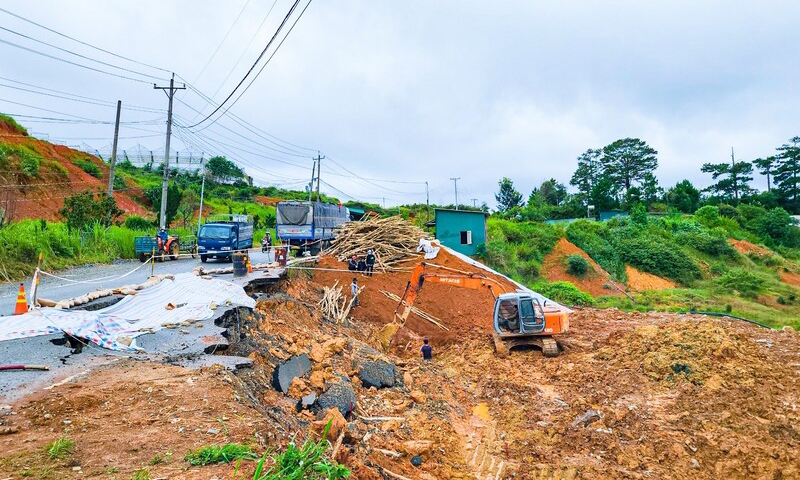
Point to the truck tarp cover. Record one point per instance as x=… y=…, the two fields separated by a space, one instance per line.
x=293 y=214
x=329 y=216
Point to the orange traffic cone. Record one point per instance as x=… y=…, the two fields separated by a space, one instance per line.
x=22 y=302
x=249 y=266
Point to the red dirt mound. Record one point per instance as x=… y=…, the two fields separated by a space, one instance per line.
x=745 y=247
x=461 y=310
x=641 y=281
x=42 y=196
x=597 y=282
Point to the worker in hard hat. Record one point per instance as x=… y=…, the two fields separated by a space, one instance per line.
x=370 y=261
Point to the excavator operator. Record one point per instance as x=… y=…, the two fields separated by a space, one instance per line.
x=509 y=316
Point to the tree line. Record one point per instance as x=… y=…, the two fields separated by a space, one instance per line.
x=622 y=174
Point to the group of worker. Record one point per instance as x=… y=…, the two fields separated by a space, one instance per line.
x=365 y=265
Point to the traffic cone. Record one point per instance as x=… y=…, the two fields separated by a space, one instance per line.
x=22 y=302
x=249 y=267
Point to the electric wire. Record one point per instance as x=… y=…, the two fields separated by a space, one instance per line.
x=230 y=29
x=263 y=52
x=20 y=17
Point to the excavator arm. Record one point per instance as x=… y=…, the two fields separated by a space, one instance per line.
x=456 y=278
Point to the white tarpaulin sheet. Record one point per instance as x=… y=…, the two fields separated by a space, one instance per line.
x=127 y=318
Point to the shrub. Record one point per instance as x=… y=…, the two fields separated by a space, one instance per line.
x=564 y=292
x=577 y=265
x=306 y=462
x=595 y=239
x=659 y=257
x=746 y=283
x=88 y=167
x=135 y=222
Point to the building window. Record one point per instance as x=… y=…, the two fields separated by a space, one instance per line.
x=466 y=237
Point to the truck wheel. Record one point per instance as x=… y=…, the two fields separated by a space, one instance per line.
x=204 y=258
x=176 y=250
x=142 y=257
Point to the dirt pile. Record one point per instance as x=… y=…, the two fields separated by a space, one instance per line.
x=596 y=282
x=59 y=175
x=642 y=281
x=745 y=247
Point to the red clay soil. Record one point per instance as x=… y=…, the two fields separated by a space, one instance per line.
x=43 y=196
x=642 y=281
x=790 y=278
x=462 y=310
x=745 y=247
x=268 y=201
x=595 y=282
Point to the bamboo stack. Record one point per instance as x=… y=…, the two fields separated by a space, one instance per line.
x=420 y=313
x=334 y=305
x=393 y=240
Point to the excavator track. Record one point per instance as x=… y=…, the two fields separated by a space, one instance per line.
x=549 y=347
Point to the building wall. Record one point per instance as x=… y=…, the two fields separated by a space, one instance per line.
x=450 y=224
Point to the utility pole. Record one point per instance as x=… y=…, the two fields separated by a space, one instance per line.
x=427 y=204
x=162 y=222
x=455 y=186
x=114 y=152
x=474 y=202
x=319 y=171
x=733 y=177
x=202 y=192
x=311 y=184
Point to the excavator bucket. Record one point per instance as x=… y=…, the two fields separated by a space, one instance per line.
x=386 y=334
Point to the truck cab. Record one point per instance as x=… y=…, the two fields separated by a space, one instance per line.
x=224 y=235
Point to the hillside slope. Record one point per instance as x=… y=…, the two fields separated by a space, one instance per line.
x=36 y=176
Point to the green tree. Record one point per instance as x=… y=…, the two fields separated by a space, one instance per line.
x=766 y=166
x=787 y=174
x=553 y=192
x=508 y=197
x=651 y=191
x=173 y=200
x=223 y=170
x=628 y=160
x=684 y=197
x=777 y=225
x=187 y=206
x=86 y=208
x=588 y=172
x=734 y=179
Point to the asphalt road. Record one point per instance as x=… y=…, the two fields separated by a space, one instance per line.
x=95 y=276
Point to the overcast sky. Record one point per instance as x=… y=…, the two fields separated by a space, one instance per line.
x=417 y=91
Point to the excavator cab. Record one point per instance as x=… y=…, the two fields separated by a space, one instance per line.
x=520 y=319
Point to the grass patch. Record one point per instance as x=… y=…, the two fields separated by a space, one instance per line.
x=306 y=462
x=61 y=448
x=221 y=454
x=12 y=125
x=88 y=166
x=142 y=474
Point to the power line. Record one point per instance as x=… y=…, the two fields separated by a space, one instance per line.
x=78 y=54
x=263 y=52
x=222 y=41
x=80 y=41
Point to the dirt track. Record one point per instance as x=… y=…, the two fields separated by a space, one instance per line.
x=633 y=396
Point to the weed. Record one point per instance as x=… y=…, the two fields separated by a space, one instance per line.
x=112 y=470
x=161 y=459
x=61 y=448
x=143 y=474
x=307 y=462
x=221 y=454
x=88 y=167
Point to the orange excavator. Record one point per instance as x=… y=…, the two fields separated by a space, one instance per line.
x=520 y=318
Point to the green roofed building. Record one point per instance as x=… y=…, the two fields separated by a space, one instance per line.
x=462 y=230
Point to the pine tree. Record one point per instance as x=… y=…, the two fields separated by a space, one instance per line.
x=508 y=197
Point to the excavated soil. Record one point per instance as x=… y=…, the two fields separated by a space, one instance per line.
x=791 y=278
x=632 y=396
x=641 y=281
x=596 y=282
x=745 y=247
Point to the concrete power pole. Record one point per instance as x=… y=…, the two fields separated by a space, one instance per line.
x=162 y=222
x=114 y=152
x=474 y=202
x=311 y=184
x=427 y=204
x=319 y=171
x=455 y=186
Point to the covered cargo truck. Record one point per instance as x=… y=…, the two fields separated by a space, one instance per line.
x=222 y=235
x=309 y=226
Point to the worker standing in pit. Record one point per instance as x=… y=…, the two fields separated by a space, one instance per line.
x=362 y=266
x=370 y=262
x=427 y=351
x=354 y=291
x=352 y=265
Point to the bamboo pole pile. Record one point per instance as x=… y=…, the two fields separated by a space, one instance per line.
x=392 y=240
x=334 y=305
x=416 y=310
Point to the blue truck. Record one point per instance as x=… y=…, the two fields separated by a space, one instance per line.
x=308 y=226
x=222 y=235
